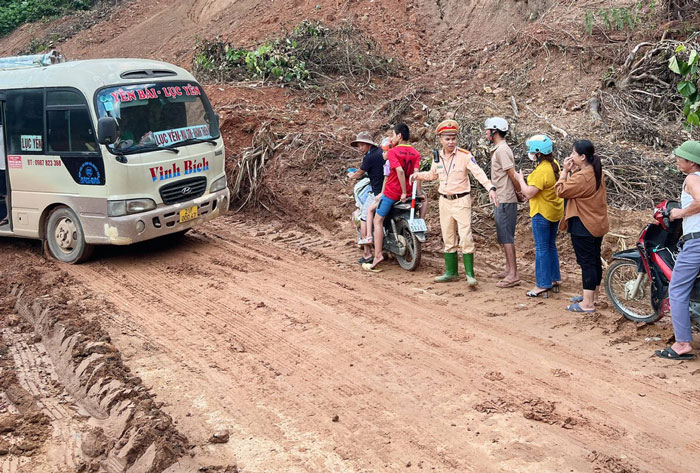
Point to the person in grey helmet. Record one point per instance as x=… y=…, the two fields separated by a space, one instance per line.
x=505 y=214
x=687 y=266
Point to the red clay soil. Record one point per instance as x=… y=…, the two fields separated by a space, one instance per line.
x=260 y=325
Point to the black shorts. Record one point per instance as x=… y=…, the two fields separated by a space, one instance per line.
x=506 y=215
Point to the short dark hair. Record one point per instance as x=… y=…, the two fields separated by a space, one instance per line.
x=502 y=134
x=402 y=129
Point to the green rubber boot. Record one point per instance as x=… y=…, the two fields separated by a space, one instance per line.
x=469 y=269
x=451 y=273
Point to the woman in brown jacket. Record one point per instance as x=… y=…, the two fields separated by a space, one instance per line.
x=585 y=218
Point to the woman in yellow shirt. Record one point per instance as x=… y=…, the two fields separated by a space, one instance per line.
x=546 y=210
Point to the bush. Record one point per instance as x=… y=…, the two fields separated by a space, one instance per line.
x=310 y=50
x=14 y=13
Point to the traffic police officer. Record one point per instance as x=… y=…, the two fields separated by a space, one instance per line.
x=453 y=168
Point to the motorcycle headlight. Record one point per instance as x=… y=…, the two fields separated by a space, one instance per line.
x=218 y=184
x=118 y=208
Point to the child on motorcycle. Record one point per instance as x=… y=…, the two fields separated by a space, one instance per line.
x=687 y=266
x=404 y=160
x=372 y=167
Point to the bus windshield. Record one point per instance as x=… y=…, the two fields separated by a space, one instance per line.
x=158 y=115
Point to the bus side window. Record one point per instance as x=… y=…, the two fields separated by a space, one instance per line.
x=24 y=110
x=69 y=125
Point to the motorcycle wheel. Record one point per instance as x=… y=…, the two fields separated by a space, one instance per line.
x=619 y=285
x=411 y=259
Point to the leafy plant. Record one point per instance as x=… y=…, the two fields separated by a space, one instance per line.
x=270 y=60
x=685 y=63
x=14 y=13
x=619 y=18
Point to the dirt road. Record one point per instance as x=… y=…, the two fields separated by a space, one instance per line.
x=315 y=366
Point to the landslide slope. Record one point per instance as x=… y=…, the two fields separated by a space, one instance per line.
x=530 y=61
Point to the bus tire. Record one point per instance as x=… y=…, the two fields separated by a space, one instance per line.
x=65 y=238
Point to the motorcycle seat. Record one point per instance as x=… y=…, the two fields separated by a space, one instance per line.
x=406 y=205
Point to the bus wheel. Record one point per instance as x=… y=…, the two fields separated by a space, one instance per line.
x=65 y=238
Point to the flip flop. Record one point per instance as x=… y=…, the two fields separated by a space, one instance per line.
x=670 y=354
x=577 y=308
x=503 y=283
x=368 y=267
x=576 y=299
x=556 y=287
x=364 y=260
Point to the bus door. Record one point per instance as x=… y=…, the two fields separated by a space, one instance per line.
x=4 y=201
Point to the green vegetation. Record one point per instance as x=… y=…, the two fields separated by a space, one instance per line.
x=618 y=18
x=310 y=50
x=14 y=13
x=685 y=63
x=267 y=60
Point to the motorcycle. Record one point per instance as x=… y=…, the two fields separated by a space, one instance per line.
x=403 y=232
x=638 y=279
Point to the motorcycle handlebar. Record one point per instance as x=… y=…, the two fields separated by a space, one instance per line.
x=665 y=213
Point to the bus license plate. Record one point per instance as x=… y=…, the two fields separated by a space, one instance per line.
x=188 y=214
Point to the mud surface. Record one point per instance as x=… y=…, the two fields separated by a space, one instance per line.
x=257 y=345
x=275 y=337
x=67 y=402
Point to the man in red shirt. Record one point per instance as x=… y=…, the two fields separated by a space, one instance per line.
x=404 y=161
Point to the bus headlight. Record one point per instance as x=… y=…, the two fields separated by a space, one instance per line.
x=218 y=184
x=118 y=208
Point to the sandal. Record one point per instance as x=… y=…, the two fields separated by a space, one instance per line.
x=556 y=287
x=576 y=299
x=670 y=354
x=577 y=308
x=543 y=294
x=364 y=260
x=368 y=267
x=365 y=241
x=503 y=283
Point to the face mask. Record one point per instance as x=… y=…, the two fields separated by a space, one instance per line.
x=532 y=156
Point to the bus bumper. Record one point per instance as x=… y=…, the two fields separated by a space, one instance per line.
x=154 y=223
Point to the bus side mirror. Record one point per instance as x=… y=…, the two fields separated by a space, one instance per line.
x=107 y=130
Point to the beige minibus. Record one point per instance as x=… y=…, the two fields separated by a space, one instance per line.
x=109 y=151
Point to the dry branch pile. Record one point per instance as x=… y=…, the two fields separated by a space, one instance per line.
x=343 y=50
x=310 y=53
x=633 y=181
x=301 y=152
x=247 y=178
x=641 y=99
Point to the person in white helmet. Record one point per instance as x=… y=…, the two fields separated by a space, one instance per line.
x=507 y=186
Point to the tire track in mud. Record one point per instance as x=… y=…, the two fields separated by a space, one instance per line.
x=619 y=404
x=352 y=388
x=36 y=374
x=598 y=368
x=424 y=379
x=316 y=367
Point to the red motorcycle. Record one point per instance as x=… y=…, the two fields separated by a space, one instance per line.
x=637 y=281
